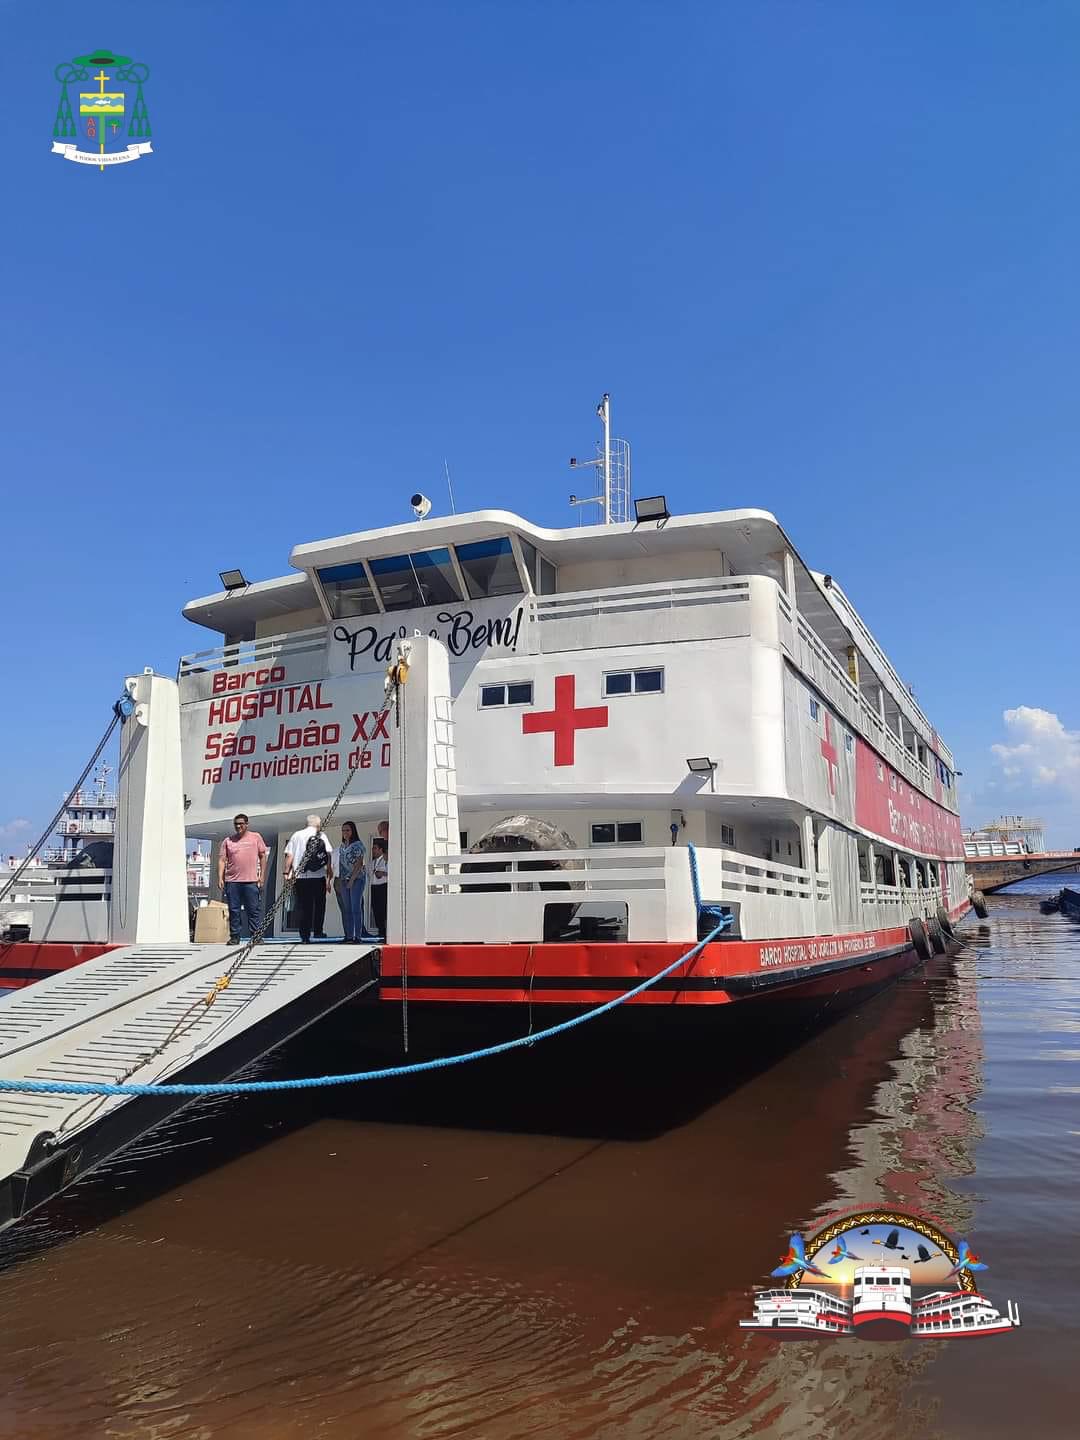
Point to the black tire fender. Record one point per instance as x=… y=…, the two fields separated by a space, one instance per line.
x=945 y=921
x=920 y=941
x=935 y=934
x=979 y=905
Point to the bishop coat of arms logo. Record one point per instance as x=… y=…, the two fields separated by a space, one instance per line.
x=113 y=122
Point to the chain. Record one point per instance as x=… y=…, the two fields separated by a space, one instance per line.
x=395 y=679
x=198 y=1008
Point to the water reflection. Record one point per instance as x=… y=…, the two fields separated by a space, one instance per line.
x=413 y=1263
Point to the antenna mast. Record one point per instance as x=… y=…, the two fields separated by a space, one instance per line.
x=612 y=465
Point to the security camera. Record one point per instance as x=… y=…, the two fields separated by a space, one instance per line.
x=421 y=505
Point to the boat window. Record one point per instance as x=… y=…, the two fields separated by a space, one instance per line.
x=905 y=872
x=410 y=582
x=514 y=692
x=541 y=572
x=489 y=568
x=617 y=832
x=864 y=862
x=727 y=835
x=814 y=709
x=633 y=682
x=348 y=590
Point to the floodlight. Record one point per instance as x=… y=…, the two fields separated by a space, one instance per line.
x=651 y=507
x=232 y=579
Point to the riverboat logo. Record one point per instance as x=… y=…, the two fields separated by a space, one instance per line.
x=112 y=116
x=879 y=1275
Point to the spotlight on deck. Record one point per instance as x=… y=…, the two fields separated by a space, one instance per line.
x=651 y=507
x=701 y=765
x=232 y=579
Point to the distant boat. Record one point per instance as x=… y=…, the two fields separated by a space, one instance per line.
x=1070 y=903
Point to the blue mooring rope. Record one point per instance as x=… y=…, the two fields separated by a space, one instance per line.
x=313 y=1082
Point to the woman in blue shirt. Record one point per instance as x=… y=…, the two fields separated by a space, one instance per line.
x=352 y=878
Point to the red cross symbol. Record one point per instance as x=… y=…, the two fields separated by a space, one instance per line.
x=564 y=721
x=828 y=749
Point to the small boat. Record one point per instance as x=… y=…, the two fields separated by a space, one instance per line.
x=1070 y=903
x=1051 y=905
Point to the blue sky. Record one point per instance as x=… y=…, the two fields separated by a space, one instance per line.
x=822 y=256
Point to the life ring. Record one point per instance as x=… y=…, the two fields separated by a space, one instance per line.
x=934 y=931
x=979 y=905
x=944 y=919
x=920 y=941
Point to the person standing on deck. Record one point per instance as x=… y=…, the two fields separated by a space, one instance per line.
x=378 y=887
x=241 y=877
x=308 y=857
x=351 y=881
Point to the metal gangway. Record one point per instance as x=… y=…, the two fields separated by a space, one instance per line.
x=146 y=1014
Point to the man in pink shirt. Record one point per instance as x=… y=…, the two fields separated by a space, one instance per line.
x=241 y=876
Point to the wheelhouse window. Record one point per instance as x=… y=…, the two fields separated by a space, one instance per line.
x=633 y=682
x=514 y=692
x=489 y=568
x=411 y=582
x=541 y=571
x=348 y=590
x=617 y=832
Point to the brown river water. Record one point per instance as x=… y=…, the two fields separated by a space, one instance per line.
x=562 y=1242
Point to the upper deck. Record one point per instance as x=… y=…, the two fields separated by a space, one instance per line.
x=490 y=577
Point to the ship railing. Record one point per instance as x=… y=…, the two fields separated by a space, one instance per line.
x=818 y=662
x=886 y=905
x=640 y=894
x=618 y=599
x=770 y=900
x=68 y=906
x=254 y=654
x=714 y=607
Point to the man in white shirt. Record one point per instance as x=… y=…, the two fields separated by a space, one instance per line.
x=309 y=858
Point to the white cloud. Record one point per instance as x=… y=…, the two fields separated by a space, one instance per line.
x=1043 y=758
x=14 y=828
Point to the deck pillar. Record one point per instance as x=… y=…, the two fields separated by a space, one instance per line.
x=423 y=787
x=149 y=879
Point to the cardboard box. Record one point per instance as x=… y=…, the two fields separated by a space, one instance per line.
x=212 y=923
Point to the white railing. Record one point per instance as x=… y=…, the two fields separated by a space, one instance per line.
x=889 y=905
x=816 y=661
x=989 y=849
x=695 y=609
x=254 y=654
x=66 y=906
x=770 y=900
x=465 y=905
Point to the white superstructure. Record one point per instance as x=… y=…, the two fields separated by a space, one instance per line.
x=687 y=679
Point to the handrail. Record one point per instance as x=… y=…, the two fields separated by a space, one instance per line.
x=646 y=590
x=263 y=648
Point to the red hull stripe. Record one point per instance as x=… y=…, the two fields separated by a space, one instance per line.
x=592 y=974
x=901 y=1319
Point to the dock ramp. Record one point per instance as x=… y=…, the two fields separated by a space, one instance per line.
x=100 y=1022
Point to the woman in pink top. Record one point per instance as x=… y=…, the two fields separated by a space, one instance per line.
x=241 y=876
